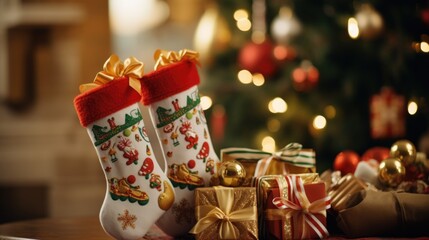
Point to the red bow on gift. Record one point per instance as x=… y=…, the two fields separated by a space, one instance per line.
x=299 y=209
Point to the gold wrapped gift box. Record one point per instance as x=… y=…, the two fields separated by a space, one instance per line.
x=225 y=213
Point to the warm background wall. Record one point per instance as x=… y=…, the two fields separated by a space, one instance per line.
x=48 y=167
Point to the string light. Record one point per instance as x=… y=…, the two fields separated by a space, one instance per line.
x=206 y=102
x=353 y=28
x=412 y=107
x=424 y=46
x=268 y=144
x=319 y=122
x=277 y=105
x=242 y=17
x=244 y=76
x=258 y=79
x=244 y=24
x=240 y=14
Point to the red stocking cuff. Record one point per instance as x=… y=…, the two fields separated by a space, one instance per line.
x=168 y=81
x=104 y=100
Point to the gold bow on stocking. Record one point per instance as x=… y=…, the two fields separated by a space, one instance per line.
x=164 y=58
x=113 y=69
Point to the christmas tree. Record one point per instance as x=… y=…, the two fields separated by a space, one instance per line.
x=320 y=73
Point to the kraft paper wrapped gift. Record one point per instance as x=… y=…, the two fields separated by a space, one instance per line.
x=345 y=187
x=371 y=213
x=225 y=213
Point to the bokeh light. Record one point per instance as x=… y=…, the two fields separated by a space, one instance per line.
x=206 y=102
x=258 y=79
x=268 y=144
x=412 y=108
x=277 y=105
x=244 y=76
x=353 y=28
x=319 y=122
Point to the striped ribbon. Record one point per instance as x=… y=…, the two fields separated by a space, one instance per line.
x=291 y=153
x=297 y=207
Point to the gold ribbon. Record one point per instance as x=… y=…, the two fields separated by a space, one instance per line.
x=113 y=69
x=214 y=214
x=164 y=58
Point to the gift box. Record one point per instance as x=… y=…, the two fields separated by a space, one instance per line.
x=340 y=192
x=225 y=213
x=371 y=213
x=387 y=114
x=292 y=207
x=292 y=159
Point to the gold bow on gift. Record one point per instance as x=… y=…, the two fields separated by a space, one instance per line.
x=213 y=214
x=113 y=68
x=164 y=58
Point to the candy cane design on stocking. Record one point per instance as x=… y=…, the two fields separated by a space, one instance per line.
x=171 y=94
x=138 y=190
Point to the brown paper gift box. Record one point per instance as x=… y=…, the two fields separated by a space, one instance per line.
x=371 y=213
x=345 y=187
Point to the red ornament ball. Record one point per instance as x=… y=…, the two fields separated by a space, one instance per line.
x=191 y=164
x=376 y=153
x=424 y=14
x=305 y=78
x=258 y=58
x=131 y=179
x=346 y=162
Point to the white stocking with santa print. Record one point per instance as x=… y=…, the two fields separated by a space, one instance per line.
x=171 y=93
x=138 y=191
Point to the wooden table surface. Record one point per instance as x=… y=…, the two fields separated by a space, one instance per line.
x=61 y=228
x=87 y=228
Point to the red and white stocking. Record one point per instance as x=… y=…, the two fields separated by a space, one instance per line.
x=138 y=191
x=171 y=93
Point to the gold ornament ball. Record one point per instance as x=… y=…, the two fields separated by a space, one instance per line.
x=231 y=174
x=405 y=151
x=391 y=172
